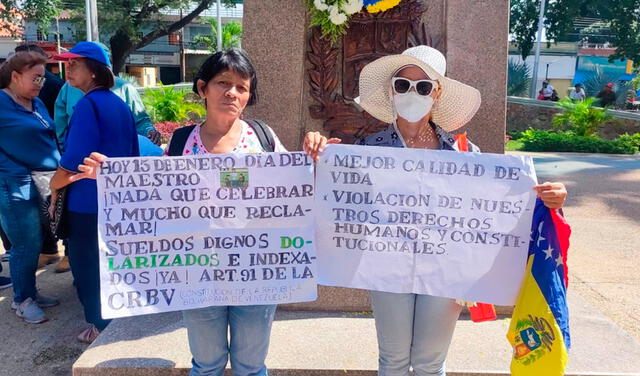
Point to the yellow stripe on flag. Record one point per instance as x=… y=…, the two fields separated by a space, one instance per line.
x=534 y=334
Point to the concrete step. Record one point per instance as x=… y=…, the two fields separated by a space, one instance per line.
x=314 y=343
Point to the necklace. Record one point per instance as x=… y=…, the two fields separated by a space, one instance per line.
x=425 y=134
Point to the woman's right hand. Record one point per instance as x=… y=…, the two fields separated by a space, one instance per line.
x=89 y=167
x=314 y=144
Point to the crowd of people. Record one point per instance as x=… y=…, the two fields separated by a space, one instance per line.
x=409 y=91
x=39 y=136
x=606 y=97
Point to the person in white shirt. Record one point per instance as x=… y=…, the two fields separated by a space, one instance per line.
x=547 y=91
x=578 y=93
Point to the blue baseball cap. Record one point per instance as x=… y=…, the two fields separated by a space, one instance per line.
x=89 y=50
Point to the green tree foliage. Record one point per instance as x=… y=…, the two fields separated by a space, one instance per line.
x=582 y=118
x=231 y=35
x=624 y=20
x=598 y=32
x=620 y=16
x=133 y=24
x=518 y=79
x=523 y=23
x=635 y=82
x=43 y=11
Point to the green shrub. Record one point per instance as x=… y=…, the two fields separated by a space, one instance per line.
x=167 y=104
x=636 y=139
x=635 y=82
x=513 y=145
x=567 y=141
x=633 y=139
x=514 y=135
x=581 y=117
x=231 y=35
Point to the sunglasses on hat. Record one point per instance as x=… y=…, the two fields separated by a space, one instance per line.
x=402 y=85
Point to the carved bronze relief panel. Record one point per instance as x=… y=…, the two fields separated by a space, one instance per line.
x=369 y=37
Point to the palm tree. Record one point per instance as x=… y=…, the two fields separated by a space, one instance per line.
x=231 y=35
x=519 y=78
x=599 y=79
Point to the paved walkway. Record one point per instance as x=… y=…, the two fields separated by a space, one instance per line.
x=603 y=209
x=44 y=349
x=334 y=344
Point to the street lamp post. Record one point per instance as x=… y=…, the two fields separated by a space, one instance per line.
x=91 y=10
x=219 y=46
x=546 y=74
x=536 y=62
x=87 y=6
x=95 y=35
x=183 y=60
x=58 y=45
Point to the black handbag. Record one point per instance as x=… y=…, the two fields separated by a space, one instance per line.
x=58 y=222
x=41 y=180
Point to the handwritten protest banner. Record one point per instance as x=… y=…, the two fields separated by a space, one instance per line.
x=187 y=232
x=429 y=222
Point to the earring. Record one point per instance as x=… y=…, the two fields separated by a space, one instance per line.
x=93 y=76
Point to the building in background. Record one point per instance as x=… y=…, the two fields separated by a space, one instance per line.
x=581 y=58
x=7 y=43
x=557 y=65
x=159 y=62
x=10 y=35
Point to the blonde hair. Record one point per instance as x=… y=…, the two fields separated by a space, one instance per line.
x=19 y=62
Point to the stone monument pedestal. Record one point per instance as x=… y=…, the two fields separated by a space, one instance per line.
x=473 y=35
x=334 y=299
x=340 y=299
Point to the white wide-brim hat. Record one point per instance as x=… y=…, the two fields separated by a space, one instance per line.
x=458 y=103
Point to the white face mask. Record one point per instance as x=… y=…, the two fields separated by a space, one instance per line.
x=412 y=106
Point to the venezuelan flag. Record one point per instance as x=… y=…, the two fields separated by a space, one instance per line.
x=374 y=6
x=539 y=329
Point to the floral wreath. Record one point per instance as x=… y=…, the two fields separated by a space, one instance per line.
x=332 y=16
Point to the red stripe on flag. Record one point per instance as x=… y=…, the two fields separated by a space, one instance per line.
x=461 y=141
x=563 y=230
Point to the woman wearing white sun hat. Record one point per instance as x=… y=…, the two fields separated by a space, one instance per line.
x=410 y=92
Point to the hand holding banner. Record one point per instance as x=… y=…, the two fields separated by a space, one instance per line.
x=429 y=222
x=188 y=232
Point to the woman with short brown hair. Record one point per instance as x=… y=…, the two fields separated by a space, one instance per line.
x=27 y=146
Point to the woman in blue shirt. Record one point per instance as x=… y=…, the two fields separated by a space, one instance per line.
x=101 y=122
x=27 y=144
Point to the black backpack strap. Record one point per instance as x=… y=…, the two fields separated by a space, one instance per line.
x=265 y=136
x=179 y=140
